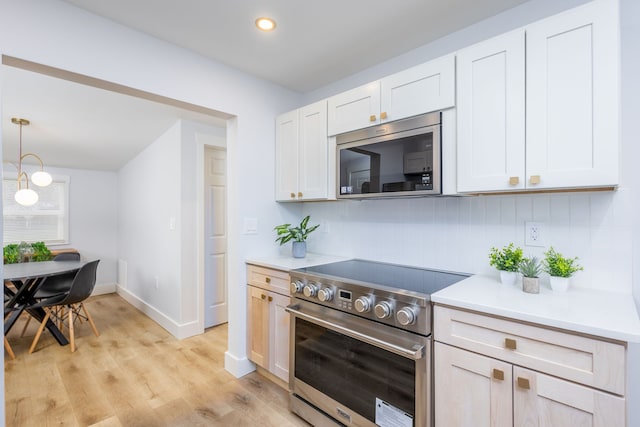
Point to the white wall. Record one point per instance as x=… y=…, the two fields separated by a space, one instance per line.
x=58 y=34
x=92 y=220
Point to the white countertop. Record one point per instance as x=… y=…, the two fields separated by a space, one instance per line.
x=287 y=262
x=599 y=313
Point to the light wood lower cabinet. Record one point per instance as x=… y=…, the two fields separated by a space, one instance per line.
x=496 y=372
x=268 y=323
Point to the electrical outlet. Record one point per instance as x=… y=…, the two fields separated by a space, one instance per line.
x=534 y=234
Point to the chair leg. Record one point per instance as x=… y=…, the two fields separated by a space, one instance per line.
x=7 y=347
x=72 y=338
x=40 y=329
x=90 y=319
x=26 y=325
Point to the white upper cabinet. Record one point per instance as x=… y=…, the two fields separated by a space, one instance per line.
x=417 y=90
x=491 y=114
x=304 y=155
x=568 y=100
x=572 y=98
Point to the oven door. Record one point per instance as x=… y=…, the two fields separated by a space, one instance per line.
x=359 y=372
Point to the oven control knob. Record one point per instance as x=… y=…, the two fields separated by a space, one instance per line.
x=296 y=287
x=383 y=310
x=310 y=290
x=362 y=304
x=406 y=316
x=325 y=294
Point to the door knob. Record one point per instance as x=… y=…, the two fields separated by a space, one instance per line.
x=383 y=115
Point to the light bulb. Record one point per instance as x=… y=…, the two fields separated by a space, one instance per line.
x=41 y=178
x=26 y=197
x=266 y=24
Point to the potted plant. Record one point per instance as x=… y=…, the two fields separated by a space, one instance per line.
x=298 y=234
x=506 y=260
x=530 y=269
x=560 y=269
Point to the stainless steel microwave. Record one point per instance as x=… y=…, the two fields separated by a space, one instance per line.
x=401 y=158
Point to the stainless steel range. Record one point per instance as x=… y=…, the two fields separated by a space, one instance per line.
x=360 y=343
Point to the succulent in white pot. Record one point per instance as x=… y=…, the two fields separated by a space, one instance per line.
x=530 y=269
x=560 y=269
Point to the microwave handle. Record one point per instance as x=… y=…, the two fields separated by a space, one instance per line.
x=416 y=352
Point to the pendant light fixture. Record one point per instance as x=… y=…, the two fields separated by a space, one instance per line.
x=26 y=196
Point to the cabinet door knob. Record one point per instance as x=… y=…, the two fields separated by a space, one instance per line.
x=263 y=296
x=514 y=180
x=498 y=374
x=270 y=299
x=523 y=383
x=299 y=194
x=510 y=343
x=534 y=180
x=372 y=118
x=293 y=195
x=267 y=279
x=383 y=115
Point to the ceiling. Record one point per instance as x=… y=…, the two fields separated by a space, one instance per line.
x=315 y=43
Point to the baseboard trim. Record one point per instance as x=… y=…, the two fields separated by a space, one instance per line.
x=180 y=331
x=104 y=288
x=238 y=367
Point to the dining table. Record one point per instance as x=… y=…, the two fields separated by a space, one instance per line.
x=22 y=280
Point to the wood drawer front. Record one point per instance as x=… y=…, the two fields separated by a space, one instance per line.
x=581 y=359
x=269 y=279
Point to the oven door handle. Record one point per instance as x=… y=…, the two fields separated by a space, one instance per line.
x=416 y=352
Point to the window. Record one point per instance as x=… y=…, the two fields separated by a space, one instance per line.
x=47 y=221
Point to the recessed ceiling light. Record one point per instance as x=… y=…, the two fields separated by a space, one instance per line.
x=265 y=24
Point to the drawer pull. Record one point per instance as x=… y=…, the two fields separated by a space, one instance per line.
x=523 y=383
x=534 y=180
x=263 y=296
x=514 y=180
x=498 y=374
x=270 y=299
x=267 y=279
x=510 y=343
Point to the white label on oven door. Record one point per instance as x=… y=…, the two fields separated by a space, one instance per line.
x=390 y=416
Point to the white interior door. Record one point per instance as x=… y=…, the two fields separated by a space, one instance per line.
x=215 y=272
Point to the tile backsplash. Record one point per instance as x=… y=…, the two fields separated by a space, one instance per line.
x=456 y=233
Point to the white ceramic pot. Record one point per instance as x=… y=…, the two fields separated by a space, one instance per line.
x=559 y=284
x=508 y=277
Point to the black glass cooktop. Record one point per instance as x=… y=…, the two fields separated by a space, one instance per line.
x=394 y=276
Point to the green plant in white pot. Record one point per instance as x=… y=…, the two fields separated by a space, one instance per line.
x=298 y=234
x=560 y=269
x=530 y=269
x=507 y=260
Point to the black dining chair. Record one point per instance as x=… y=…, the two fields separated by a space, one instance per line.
x=73 y=300
x=67 y=256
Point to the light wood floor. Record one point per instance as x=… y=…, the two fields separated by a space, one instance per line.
x=134 y=374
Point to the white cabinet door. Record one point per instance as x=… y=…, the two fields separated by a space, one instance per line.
x=287 y=156
x=354 y=109
x=471 y=390
x=491 y=114
x=572 y=98
x=542 y=400
x=258 y=326
x=421 y=89
x=313 y=152
x=279 y=336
